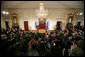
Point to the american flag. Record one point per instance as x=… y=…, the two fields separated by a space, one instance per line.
x=48 y=25
x=36 y=25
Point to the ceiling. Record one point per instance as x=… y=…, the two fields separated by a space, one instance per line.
x=48 y=4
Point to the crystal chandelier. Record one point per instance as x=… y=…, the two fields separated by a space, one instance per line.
x=41 y=12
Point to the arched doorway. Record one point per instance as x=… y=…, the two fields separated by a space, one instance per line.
x=15 y=21
x=69 y=23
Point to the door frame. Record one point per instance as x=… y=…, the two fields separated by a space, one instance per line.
x=7 y=22
x=26 y=25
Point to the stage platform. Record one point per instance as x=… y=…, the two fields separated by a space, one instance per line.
x=40 y=31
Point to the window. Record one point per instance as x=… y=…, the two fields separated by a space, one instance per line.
x=15 y=20
x=70 y=20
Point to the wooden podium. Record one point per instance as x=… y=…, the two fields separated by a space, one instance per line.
x=42 y=31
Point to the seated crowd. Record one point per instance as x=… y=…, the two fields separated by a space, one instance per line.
x=67 y=42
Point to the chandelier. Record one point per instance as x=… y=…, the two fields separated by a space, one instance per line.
x=41 y=12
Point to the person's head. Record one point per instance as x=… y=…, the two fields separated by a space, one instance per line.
x=64 y=35
x=80 y=43
x=54 y=33
x=47 y=36
x=70 y=38
x=74 y=42
x=51 y=34
x=34 y=46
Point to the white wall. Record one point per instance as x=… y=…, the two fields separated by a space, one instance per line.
x=54 y=15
